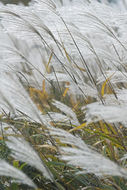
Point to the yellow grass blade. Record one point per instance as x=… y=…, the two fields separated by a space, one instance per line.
x=65 y=92
x=68 y=58
x=78 y=127
x=47 y=66
x=104 y=84
x=1 y=138
x=80 y=68
x=75 y=106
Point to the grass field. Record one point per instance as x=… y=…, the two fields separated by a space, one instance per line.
x=63 y=95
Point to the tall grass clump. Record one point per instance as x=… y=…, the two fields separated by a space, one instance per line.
x=63 y=95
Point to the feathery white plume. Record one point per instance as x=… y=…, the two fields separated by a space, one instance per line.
x=124 y=157
x=14 y=98
x=57 y=118
x=82 y=156
x=66 y=110
x=10 y=171
x=110 y=113
x=22 y=151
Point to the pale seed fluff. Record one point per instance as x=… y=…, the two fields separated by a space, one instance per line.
x=18 y=176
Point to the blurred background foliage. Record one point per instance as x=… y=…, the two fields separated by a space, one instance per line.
x=25 y=2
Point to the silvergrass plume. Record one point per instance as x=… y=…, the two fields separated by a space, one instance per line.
x=22 y=151
x=10 y=171
x=84 y=157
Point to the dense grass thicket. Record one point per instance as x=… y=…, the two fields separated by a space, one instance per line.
x=63 y=95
